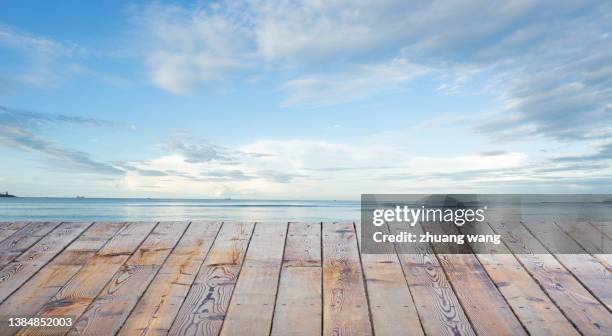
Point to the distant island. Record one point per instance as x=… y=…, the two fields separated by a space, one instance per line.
x=6 y=194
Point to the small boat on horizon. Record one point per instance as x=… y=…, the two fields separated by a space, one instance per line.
x=6 y=194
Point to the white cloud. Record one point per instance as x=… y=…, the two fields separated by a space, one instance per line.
x=549 y=64
x=354 y=84
x=188 y=48
x=45 y=62
x=21 y=131
x=309 y=168
x=39 y=45
x=41 y=58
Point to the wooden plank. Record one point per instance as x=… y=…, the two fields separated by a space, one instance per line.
x=298 y=309
x=21 y=269
x=532 y=306
x=603 y=226
x=588 y=234
x=252 y=303
x=33 y=294
x=303 y=245
x=108 y=311
x=160 y=304
x=438 y=306
x=76 y=295
x=483 y=303
x=18 y=242
x=391 y=305
x=204 y=309
x=96 y=236
x=345 y=305
x=593 y=275
x=9 y=228
x=591 y=239
x=578 y=305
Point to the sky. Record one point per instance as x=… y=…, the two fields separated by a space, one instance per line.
x=304 y=99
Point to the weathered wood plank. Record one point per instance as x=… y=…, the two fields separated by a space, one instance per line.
x=108 y=311
x=204 y=309
x=393 y=310
x=578 y=305
x=9 y=228
x=345 y=305
x=391 y=305
x=603 y=226
x=252 y=303
x=303 y=245
x=23 y=239
x=438 y=306
x=532 y=306
x=591 y=239
x=160 y=304
x=33 y=294
x=594 y=275
x=483 y=303
x=22 y=268
x=76 y=295
x=96 y=236
x=298 y=309
x=83 y=277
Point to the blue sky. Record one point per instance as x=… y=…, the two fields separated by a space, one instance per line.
x=304 y=99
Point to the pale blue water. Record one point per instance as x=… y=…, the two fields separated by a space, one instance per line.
x=132 y=209
x=115 y=209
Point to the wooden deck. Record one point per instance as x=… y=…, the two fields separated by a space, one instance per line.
x=230 y=278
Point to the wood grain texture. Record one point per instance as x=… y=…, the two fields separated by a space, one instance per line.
x=205 y=307
x=484 y=305
x=78 y=293
x=7 y=229
x=590 y=271
x=345 y=305
x=298 y=309
x=252 y=303
x=96 y=236
x=591 y=239
x=34 y=293
x=22 y=239
x=23 y=267
x=532 y=306
x=160 y=304
x=438 y=306
x=300 y=279
x=388 y=293
x=303 y=245
x=577 y=304
x=108 y=311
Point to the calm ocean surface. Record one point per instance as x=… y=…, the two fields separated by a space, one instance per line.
x=106 y=209
x=133 y=209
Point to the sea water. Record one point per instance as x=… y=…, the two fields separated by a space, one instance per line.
x=133 y=209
